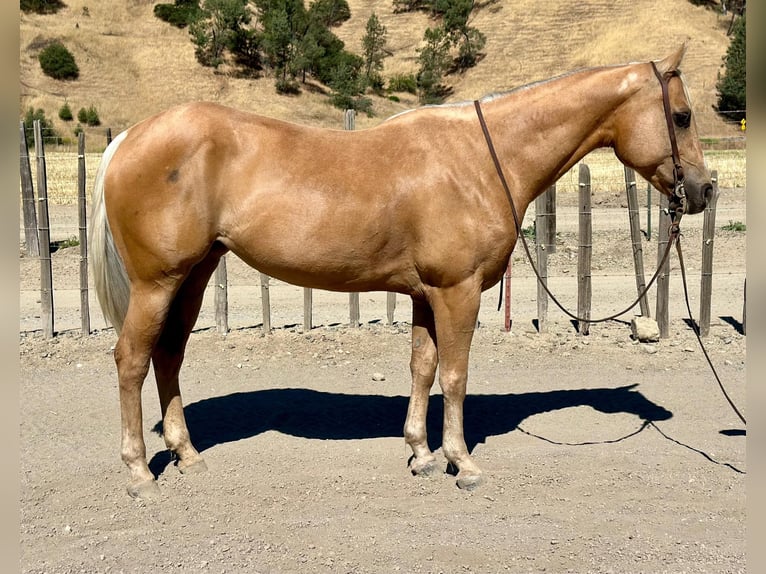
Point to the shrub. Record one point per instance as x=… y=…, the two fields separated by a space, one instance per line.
x=92 y=117
x=287 y=86
x=179 y=14
x=89 y=116
x=58 y=62
x=46 y=127
x=65 y=113
x=403 y=83
x=734 y=226
x=41 y=6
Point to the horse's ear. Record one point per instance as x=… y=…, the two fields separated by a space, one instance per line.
x=671 y=63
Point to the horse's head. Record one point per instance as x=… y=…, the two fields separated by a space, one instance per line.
x=647 y=124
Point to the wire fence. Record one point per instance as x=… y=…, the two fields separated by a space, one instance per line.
x=606 y=169
x=67 y=173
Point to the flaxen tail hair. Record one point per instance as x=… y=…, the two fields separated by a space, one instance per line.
x=107 y=268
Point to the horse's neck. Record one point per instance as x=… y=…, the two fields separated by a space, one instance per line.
x=542 y=131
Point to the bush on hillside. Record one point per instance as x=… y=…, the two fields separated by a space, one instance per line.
x=41 y=6
x=46 y=127
x=58 y=62
x=403 y=83
x=89 y=116
x=65 y=113
x=180 y=14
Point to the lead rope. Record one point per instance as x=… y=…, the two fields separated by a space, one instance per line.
x=679 y=198
x=674 y=231
x=695 y=328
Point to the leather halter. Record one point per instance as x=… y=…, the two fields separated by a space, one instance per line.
x=678 y=198
x=677 y=201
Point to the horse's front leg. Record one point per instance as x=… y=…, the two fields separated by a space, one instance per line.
x=423 y=368
x=455 y=312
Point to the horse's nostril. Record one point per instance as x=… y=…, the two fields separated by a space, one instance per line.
x=707 y=192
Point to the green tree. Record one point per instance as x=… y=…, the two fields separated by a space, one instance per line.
x=65 y=113
x=434 y=62
x=91 y=117
x=347 y=86
x=284 y=24
x=310 y=50
x=46 y=127
x=374 y=51
x=58 y=62
x=330 y=13
x=468 y=40
x=180 y=14
x=216 y=30
x=732 y=100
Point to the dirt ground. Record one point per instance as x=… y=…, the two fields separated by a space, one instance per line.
x=602 y=454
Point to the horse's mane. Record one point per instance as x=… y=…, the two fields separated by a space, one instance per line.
x=496 y=95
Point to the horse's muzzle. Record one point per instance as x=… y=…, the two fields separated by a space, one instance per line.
x=698 y=197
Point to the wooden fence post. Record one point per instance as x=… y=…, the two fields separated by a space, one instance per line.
x=349 y=123
x=508 y=276
x=221 y=297
x=663 y=279
x=648 y=211
x=308 y=309
x=266 y=301
x=635 y=236
x=708 y=235
x=584 y=253
x=353 y=309
x=390 y=306
x=83 y=222
x=44 y=233
x=541 y=234
x=550 y=215
x=31 y=239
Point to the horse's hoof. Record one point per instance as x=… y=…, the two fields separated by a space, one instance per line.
x=145 y=490
x=469 y=482
x=195 y=467
x=426 y=468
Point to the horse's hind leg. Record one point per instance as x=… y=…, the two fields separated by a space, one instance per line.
x=168 y=356
x=132 y=353
x=423 y=367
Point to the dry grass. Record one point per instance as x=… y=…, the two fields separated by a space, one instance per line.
x=133 y=65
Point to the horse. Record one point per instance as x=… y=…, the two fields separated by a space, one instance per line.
x=414 y=205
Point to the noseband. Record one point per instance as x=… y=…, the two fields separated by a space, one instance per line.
x=677 y=201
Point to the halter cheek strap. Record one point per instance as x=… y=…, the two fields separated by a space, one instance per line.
x=678 y=199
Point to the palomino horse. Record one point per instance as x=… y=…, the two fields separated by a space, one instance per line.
x=414 y=205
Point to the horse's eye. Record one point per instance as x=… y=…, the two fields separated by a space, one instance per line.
x=682 y=119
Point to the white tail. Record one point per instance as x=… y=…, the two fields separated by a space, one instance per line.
x=107 y=268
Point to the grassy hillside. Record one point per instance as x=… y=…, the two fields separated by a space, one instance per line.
x=133 y=65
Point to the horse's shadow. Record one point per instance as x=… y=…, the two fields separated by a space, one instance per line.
x=320 y=415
